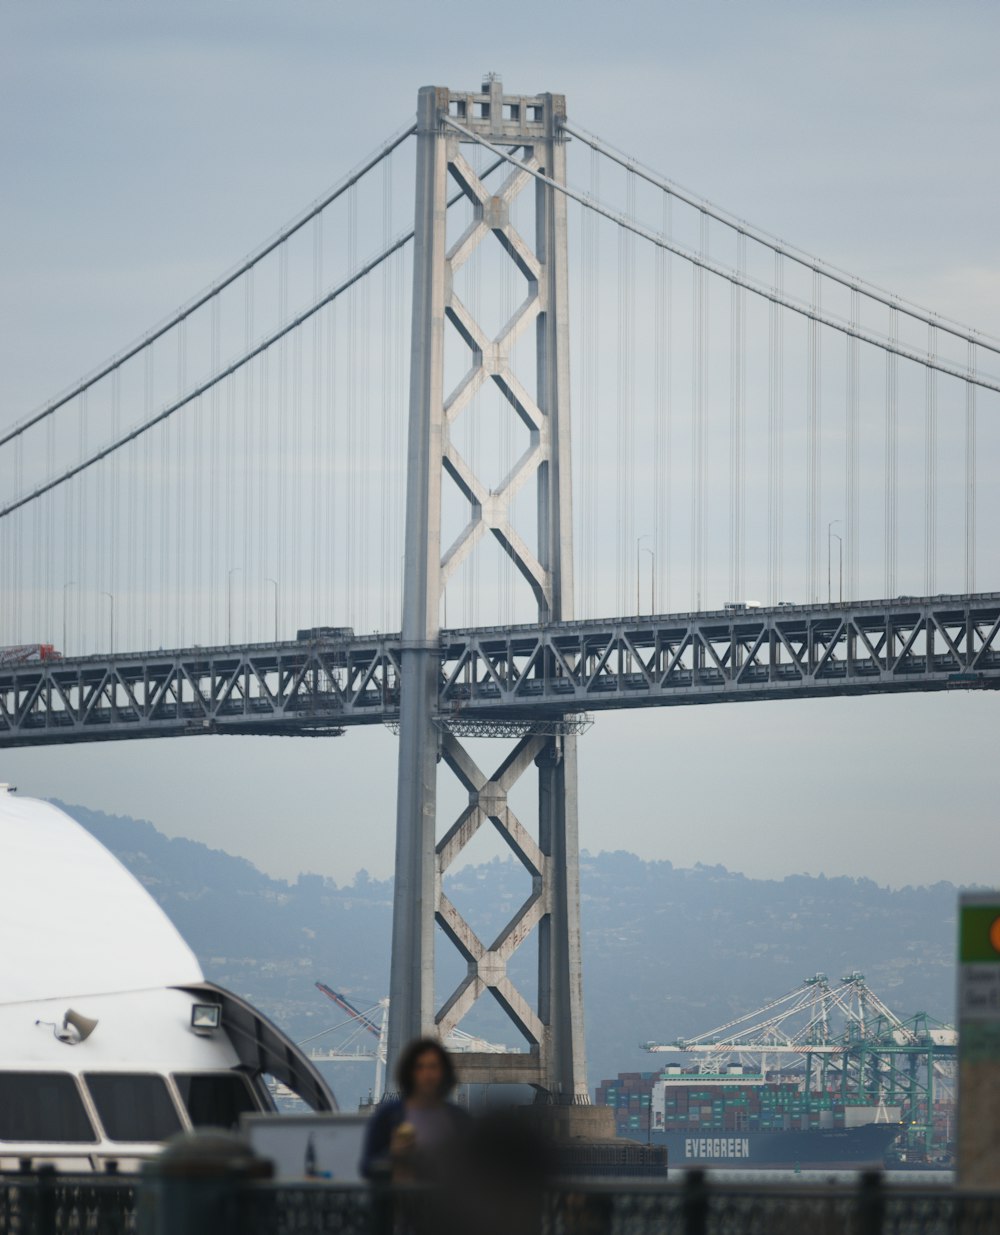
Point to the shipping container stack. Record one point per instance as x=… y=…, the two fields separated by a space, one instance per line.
x=630 y=1096
x=699 y=1106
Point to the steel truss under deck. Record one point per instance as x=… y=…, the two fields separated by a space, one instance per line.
x=521 y=680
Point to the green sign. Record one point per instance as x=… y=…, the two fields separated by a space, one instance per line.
x=979 y=934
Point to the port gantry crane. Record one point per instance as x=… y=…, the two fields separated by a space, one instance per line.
x=838 y=1038
x=363 y=1024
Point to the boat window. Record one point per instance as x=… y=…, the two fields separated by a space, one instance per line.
x=133 y=1106
x=42 y=1106
x=215 y=1099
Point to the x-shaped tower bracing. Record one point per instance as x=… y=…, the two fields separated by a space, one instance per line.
x=490 y=509
x=488 y=965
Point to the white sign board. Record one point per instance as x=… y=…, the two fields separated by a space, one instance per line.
x=326 y=1147
x=979 y=992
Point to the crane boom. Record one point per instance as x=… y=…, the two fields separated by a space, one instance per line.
x=344 y=1003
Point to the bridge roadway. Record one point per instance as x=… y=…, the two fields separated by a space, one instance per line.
x=514 y=679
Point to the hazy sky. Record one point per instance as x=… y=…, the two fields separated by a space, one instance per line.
x=145 y=150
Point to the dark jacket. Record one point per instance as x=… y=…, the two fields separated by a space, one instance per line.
x=375 y=1162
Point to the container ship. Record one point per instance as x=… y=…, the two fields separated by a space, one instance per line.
x=737 y=1119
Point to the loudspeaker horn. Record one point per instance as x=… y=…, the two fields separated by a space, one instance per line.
x=84 y=1025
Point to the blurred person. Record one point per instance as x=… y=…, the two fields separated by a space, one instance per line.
x=496 y=1179
x=407 y=1137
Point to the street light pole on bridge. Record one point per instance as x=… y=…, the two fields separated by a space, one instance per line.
x=111 y=620
x=69 y=584
x=829 y=546
x=229 y=602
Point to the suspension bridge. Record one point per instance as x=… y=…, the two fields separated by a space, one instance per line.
x=340 y=487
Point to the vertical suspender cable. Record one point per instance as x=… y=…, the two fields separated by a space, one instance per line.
x=771 y=437
x=50 y=542
x=703 y=347
x=7 y=633
x=164 y=481
x=970 y=475
x=698 y=423
x=333 y=436
x=68 y=504
x=741 y=413
x=8 y=541
x=595 y=400
x=621 y=551
x=772 y=434
x=97 y=544
x=315 y=461
x=621 y=426
x=626 y=408
x=128 y=583
x=629 y=329
x=260 y=533
x=813 y=438
x=204 y=529
x=6 y=534
x=588 y=396
x=891 y=457
x=248 y=503
x=147 y=554
x=282 y=453
x=350 y=486
x=853 y=453
x=930 y=468
x=365 y=496
x=775 y=434
x=15 y=551
x=385 y=385
x=734 y=430
x=661 y=414
x=115 y=485
x=696 y=286
x=214 y=476
x=9 y=537
x=298 y=542
x=200 y=481
x=665 y=565
x=395 y=446
x=80 y=572
x=180 y=495
x=232 y=501
x=779 y=392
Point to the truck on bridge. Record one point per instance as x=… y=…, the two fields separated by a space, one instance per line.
x=28 y=654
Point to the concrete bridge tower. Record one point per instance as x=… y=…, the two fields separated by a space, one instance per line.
x=529 y=130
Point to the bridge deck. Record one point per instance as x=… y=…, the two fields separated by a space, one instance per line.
x=515 y=674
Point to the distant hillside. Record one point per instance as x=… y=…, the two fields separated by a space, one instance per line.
x=667 y=952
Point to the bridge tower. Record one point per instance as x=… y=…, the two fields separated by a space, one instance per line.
x=553 y=1061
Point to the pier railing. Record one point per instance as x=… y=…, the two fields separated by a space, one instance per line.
x=45 y=1203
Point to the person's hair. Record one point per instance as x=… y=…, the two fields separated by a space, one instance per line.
x=407 y=1065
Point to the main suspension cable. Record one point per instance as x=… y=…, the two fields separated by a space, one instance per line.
x=807 y=260
x=227 y=280
x=848 y=328
x=205 y=386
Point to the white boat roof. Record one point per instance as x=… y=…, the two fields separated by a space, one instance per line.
x=73 y=920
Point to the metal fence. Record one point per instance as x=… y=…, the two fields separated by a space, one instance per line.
x=44 y=1203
